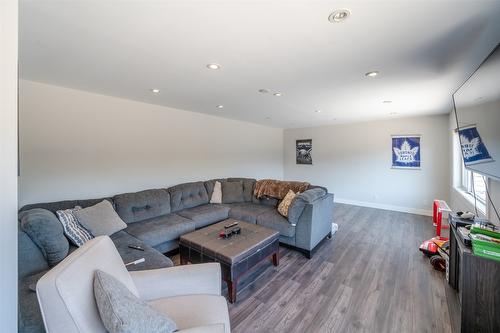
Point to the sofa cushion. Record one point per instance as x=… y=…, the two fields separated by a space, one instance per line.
x=45 y=230
x=123 y=312
x=232 y=192
x=160 y=229
x=205 y=214
x=247 y=211
x=274 y=220
x=300 y=202
x=154 y=259
x=139 y=206
x=188 y=195
x=268 y=201
x=248 y=186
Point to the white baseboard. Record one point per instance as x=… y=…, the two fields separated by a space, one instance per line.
x=385 y=207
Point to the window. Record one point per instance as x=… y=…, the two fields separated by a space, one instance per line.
x=473 y=182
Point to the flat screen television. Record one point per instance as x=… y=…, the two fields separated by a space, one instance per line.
x=477 y=112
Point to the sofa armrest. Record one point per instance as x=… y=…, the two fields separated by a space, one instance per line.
x=179 y=280
x=315 y=223
x=299 y=203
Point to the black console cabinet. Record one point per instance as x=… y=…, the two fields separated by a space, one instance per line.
x=477 y=281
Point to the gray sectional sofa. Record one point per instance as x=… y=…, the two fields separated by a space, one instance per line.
x=155 y=220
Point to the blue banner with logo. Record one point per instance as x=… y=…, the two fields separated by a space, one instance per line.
x=406 y=152
x=473 y=149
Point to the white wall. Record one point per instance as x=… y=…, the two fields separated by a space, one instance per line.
x=8 y=164
x=354 y=162
x=76 y=144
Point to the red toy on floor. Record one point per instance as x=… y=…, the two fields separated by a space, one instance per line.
x=437 y=249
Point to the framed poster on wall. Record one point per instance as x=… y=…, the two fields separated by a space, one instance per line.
x=473 y=148
x=303 y=149
x=406 y=151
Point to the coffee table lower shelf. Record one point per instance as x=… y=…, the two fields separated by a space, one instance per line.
x=231 y=272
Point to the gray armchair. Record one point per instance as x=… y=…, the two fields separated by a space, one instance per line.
x=190 y=295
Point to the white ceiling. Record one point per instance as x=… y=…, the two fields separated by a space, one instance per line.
x=423 y=49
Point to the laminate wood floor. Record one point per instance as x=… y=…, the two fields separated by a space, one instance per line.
x=369 y=278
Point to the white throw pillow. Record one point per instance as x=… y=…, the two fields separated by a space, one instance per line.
x=217 y=193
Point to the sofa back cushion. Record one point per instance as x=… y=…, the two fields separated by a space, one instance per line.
x=248 y=185
x=188 y=195
x=46 y=232
x=138 y=206
x=66 y=204
x=267 y=201
x=232 y=192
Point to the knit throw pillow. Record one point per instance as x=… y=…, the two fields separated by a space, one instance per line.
x=73 y=230
x=122 y=312
x=285 y=203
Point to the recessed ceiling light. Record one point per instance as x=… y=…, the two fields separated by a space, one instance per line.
x=220 y=106
x=393 y=113
x=155 y=91
x=264 y=91
x=339 y=15
x=278 y=94
x=372 y=73
x=386 y=102
x=318 y=111
x=213 y=66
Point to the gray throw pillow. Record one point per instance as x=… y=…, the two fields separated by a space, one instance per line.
x=232 y=192
x=100 y=219
x=45 y=230
x=122 y=312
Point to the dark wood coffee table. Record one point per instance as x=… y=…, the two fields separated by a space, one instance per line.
x=236 y=255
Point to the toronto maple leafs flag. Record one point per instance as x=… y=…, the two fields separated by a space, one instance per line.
x=406 y=152
x=473 y=149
